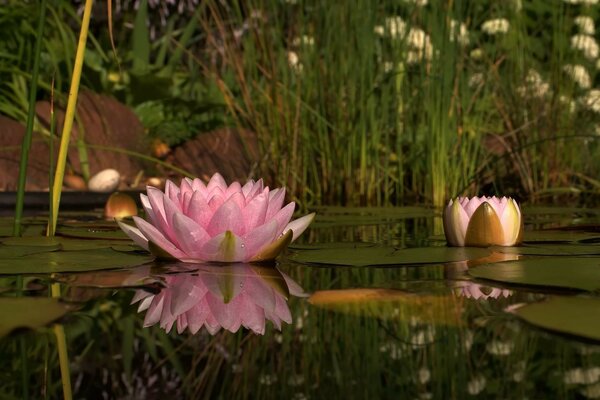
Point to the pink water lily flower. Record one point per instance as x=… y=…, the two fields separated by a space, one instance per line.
x=483 y=221
x=227 y=297
x=216 y=222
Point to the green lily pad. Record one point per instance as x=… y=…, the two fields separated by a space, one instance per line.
x=361 y=257
x=565 y=272
x=330 y=245
x=557 y=236
x=16 y=252
x=351 y=216
x=93 y=233
x=579 y=316
x=28 y=312
x=65 y=243
x=551 y=250
x=71 y=261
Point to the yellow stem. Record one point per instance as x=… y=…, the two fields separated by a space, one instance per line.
x=69 y=115
x=63 y=355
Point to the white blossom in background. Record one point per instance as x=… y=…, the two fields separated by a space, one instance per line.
x=534 y=86
x=476 y=385
x=476 y=79
x=495 y=26
x=478 y=292
x=393 y=27
x=305 y=40
x=419 y=3
x=582 y=376
x=591 y=391
x=294 y=61
x=569 y=102
x=587 y=45
x=419 y=42
x=585 y=24
x=499 y=348
x=579 y=75
x=423 y=375
x=459 y=33
x=519 y=371
x=591 y=100
x=584 y=2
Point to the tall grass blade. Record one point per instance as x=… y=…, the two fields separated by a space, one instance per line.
x=69 y=115
x=30 y=119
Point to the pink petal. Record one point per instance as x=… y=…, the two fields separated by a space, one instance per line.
x=172 y=192
x=216 y=181
x=253 y=317
x=155 y=236
x=186 y=187
x=255 y=211
x=187 y=294
x=294 y=288
x=298 y=226
x=190 y=235
x=215 y=199
x=155 y=310
x=221 y=312
x=276 y=198
x=196 y=317
x=283 y=216
x=235 y=187
x=134 y=234
x=259 y=237
x=227 y=218
x=198 y=185
x=199 y=210
x=148 y=208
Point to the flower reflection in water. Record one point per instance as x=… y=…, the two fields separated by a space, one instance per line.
x=481 y=292
x=218 y=297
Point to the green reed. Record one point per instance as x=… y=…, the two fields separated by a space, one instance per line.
x=30 y=120
x=351 y=109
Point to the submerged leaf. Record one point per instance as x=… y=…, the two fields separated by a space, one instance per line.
x=579 y=316
x=392 y=304
x=28 y=312
x=565 y=272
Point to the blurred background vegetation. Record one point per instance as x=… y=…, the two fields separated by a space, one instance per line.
x=361 y=103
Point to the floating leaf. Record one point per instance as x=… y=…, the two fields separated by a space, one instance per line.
x=93 y=233
x=41 y=241
x=565 y=272
x=343 y=216
x=392 y=304
x=16 y=252
x=330 y=245
x=28 y=312
x=361 y=257
x=579 y=316
x=551 y=250
x=70 y=261
x=557 y=236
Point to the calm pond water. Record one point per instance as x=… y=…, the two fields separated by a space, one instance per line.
x=401 y=329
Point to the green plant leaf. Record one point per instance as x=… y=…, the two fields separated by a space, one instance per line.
x=565 y=249
x=70 y=261
x=28 y=312
x=565 y=272
x=579 y=316
x=366 y=256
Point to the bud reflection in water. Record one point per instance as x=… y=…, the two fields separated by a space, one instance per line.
x=218 y=297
